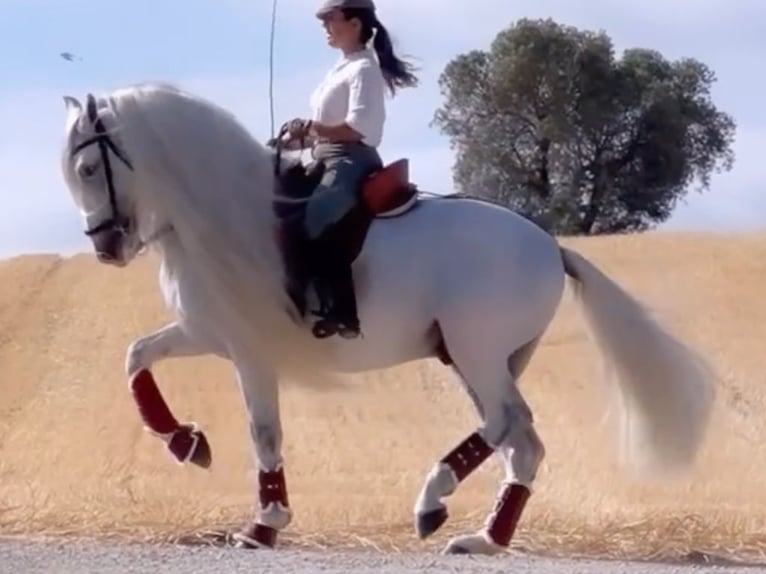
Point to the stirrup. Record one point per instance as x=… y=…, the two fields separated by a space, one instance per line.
x=349 y=332
x=325 y=327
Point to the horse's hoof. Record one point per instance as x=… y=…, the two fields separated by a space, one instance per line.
x=202 y=455
x=455 y=549
x=244 y=545
x=472 y=544
x=188 y=444
x=256 y=536
x=429 y=522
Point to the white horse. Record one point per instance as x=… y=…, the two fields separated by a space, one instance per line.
x=463 y=280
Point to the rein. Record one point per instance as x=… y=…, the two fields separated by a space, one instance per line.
x=117 y=222
x=278 y=144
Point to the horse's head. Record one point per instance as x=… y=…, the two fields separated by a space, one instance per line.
x=99 y=177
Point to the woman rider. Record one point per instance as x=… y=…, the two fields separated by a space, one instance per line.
x=345 y=130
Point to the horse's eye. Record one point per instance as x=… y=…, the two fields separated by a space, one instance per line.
x=87 y=170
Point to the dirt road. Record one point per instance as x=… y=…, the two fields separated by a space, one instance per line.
x=76 y=558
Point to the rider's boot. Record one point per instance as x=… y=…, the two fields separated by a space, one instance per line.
x=335 y=288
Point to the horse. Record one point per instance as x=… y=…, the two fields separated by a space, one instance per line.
x=458 y=279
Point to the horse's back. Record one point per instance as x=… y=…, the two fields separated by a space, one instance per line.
x=466 y=230
x=453 y=248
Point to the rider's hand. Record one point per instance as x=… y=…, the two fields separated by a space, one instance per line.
x=298 y=128
x=289 y=144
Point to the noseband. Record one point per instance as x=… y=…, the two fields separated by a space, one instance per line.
x=117 y=222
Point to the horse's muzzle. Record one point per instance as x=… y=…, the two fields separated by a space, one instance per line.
x=109 y=246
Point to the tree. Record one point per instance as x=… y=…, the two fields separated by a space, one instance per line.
x=552 y=124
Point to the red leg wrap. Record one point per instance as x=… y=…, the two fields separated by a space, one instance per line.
x=272 y=487
x=152 y=407
x=505 y=516
x=260 y=534
x=468 y=456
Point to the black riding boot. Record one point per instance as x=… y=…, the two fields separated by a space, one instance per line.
x=338 y=313
x=334 y=284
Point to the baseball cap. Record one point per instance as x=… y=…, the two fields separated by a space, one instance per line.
x=330 y=5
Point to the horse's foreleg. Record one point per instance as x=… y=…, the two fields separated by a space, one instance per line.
x=184 y=440
x=261 y=396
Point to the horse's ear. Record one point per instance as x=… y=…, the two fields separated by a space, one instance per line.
x=73 y=110
x=91 y=107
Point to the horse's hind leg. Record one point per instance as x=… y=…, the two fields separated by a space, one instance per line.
x=522 y=452
x=451 y=470
x=445 y=476
x=509 y=428
x=491 y=381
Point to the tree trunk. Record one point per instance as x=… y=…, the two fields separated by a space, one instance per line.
x=593 y=209
x=543 y=173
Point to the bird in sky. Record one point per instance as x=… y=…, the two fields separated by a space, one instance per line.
x=70 y=57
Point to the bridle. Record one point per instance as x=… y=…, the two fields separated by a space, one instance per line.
x=117 y=222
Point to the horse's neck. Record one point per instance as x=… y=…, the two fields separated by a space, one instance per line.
x=176 y=260
x=172 y=267
x=184 y=285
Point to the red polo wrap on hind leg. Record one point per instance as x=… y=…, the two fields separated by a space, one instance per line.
x=151 y=405
x=506 y=514
x=468 y=456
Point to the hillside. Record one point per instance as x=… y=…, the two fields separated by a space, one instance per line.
x=74 y=457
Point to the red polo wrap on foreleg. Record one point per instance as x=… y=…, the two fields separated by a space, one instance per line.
x=151 y=405
x=272 y=487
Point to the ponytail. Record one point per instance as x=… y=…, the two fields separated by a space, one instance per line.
x=396 y=72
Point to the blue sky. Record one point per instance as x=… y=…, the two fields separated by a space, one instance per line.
x=219 y=49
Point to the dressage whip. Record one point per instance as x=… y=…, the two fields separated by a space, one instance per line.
x=271 y=63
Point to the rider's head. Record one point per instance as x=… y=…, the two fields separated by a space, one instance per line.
x=351 y=24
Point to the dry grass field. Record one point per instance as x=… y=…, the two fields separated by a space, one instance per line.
x=74 y=458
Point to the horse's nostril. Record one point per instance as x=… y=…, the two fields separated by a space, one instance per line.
x=105 y=257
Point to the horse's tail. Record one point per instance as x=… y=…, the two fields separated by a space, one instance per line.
x=666 y=391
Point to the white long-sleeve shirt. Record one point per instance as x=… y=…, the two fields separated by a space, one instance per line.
x=353 y=91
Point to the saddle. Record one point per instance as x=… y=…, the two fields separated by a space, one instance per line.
x=385 y=193
x=389 y=192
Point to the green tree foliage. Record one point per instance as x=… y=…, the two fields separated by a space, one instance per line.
x=552 y=124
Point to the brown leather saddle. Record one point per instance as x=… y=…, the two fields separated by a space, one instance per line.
x=385 y=193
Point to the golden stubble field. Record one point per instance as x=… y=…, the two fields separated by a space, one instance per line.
x=75 y=460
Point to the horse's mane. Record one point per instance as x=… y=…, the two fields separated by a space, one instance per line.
x=199 y=169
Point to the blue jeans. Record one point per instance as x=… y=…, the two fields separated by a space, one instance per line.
x=346 y=166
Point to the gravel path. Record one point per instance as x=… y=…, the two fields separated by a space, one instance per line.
x=81 y=557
